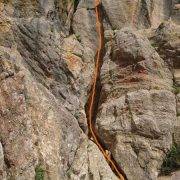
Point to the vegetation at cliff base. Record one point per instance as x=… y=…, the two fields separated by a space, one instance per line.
x=172 y=161
x=39 y=173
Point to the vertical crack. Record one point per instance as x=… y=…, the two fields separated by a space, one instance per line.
x=92 y=104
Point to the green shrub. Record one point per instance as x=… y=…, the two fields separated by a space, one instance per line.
x=39 y=173
x=172 y=161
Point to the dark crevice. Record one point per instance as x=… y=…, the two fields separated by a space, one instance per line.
x=106 y=17
x=76 y=3
x=145 y=14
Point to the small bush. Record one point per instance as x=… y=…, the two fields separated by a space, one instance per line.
x=39 y=173
x=172 y=161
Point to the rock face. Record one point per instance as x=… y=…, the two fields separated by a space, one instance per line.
x=47 y=51
x=137 y=108
x=139 y=14
x=174 y=176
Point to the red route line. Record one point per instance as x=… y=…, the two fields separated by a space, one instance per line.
x=93 y=95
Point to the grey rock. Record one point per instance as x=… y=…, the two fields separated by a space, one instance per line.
x=167 y=43
x=47 y=51
x=175 y=175
x=177 y=131
x=85 y=28
x=139 y=14
x=137 y=111
x=2 y=164
x=176 y=12
x=89 y=163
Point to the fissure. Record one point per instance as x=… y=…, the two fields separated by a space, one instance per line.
x=92 y=105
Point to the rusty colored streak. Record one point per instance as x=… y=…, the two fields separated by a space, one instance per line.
x=98 y=62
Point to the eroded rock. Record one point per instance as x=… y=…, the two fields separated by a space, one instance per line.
x=47 y=51
x=137 y=109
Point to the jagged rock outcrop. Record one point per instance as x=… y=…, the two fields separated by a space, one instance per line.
x=47 y=52
x=137 y=107
x=166 y=41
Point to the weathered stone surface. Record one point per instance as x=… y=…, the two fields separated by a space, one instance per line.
x=47 y=51
x=89 y=163
x=177 y=131
x=176 y=12
x=140 y=125
x=177 y=77
x=133 y=64
x=137 y=110
x=43 y=88
x=167 y=43
x=2 y=164
x=30 y=118
x=84 y=26
x=173 y=176
x=140 y=14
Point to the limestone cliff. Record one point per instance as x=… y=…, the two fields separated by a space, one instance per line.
x=89 y=89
